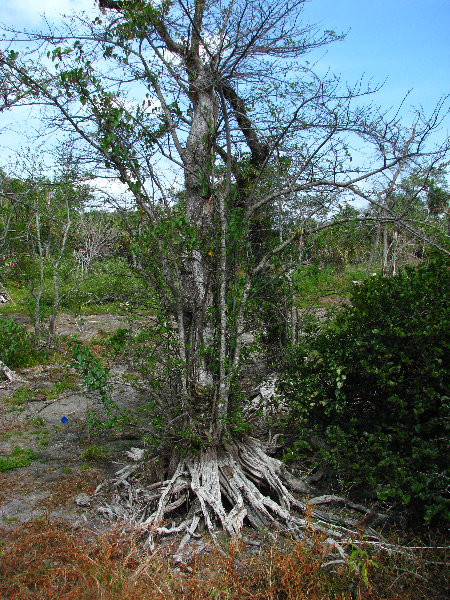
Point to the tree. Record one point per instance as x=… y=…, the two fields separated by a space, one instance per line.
x=37 y=216
x=421 y=198
x=97 y=234
x=218 y=94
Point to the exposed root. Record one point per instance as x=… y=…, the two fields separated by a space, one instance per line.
x=223 y=487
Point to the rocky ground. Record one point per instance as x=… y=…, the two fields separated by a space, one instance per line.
x=43 y=423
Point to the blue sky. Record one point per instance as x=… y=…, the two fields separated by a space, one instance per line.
x=405 y=42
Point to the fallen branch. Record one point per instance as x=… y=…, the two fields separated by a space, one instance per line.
x=10 y=375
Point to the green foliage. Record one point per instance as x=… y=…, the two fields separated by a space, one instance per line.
x=93 y=452
x=17 y=345
x=18 y=398
x=372 y=385
x=117 y=340
x=109 y=280
x=312 y=283
x=18 y=458
x=58 y=388
x=344 y=242
x=360 y=562
x=110 y=283
x=96 y=380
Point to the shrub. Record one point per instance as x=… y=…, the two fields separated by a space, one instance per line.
x=17 y=459
x=108 y=280
x=373 y=386
x=17 y=345
x=93 y=452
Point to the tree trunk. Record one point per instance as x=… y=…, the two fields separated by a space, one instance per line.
x=199 y=326
x=38 y=295
x=376 y=243
x=56 y=265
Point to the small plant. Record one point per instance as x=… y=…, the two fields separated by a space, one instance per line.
x=117 y=341
x=17 y=345
x=6 y=519
x=19 y=457
x=93 y=452
x=359 y=563
x=96 y=380
x=58 y=388
x=19 y=397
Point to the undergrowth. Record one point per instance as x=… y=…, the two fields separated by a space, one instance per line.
x=19 y=457
x=372 y=386
x=44 y=560
x=17 y=345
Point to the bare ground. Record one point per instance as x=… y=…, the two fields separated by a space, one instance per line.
x=39 y=414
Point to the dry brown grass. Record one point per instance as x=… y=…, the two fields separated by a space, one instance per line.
x=65 y=487
x=45 y=561
x=14 y=484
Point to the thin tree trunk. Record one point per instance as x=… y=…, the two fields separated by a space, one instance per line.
x=51 y=326
x=384 y=259
x=374 y=249
x=37 y=296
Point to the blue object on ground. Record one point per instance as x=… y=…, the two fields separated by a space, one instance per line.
x=64 y=420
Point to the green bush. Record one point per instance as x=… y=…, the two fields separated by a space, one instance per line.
x=108 y=280
x=93 y=452
x=373 y=385
x=17 y=345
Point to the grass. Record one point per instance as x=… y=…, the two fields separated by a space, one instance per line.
x=17 y=295
x=19 y=397
x=98 y=292
x=43 y=560
x=67 y=383
x=7 y=435
x=19 y=457
x=93 y=452
x=9 y=520
x=16 y=402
